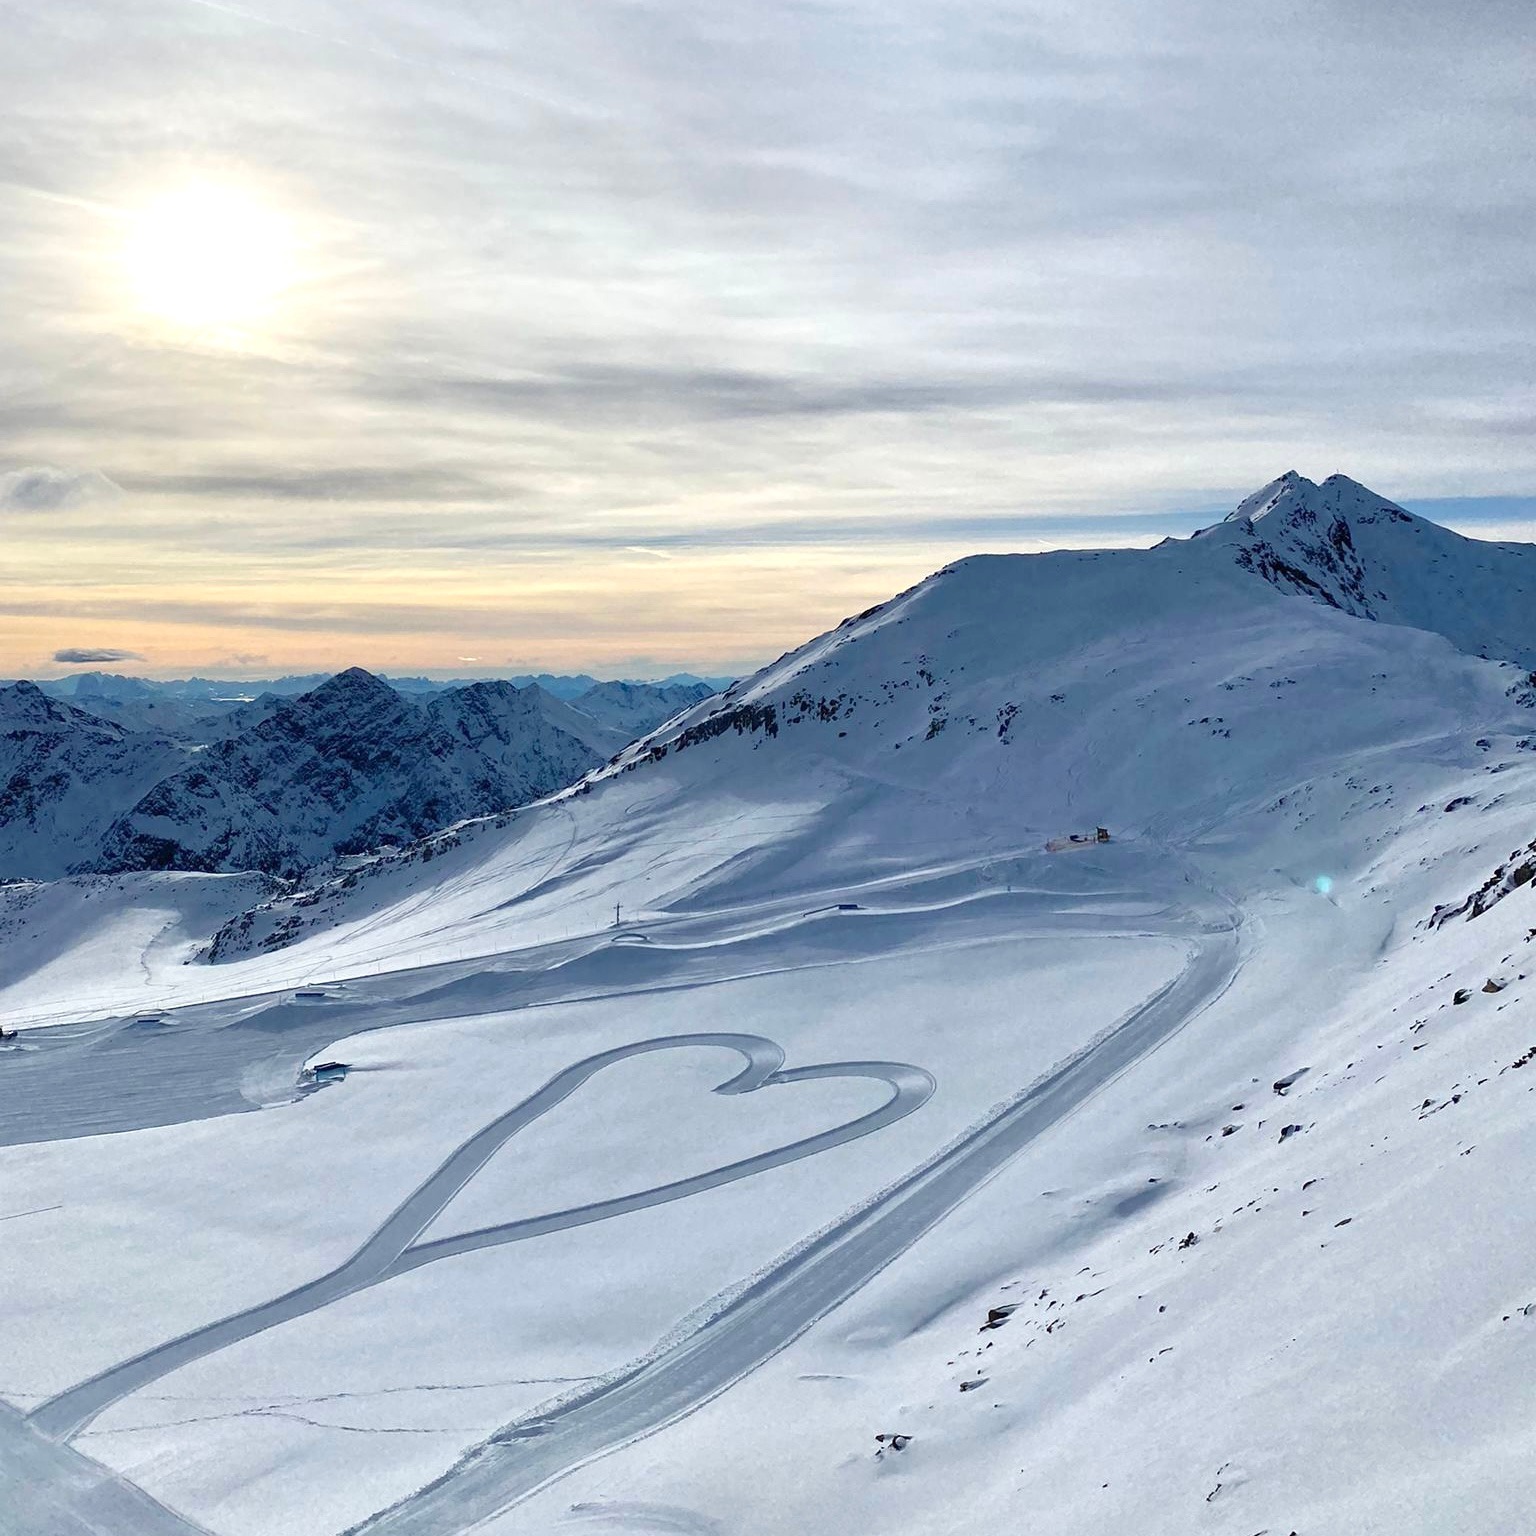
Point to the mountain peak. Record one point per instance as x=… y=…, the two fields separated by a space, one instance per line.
x=354 y=678
x=354 y=688
x=1342 y=544
x=1289 y=489
x=24 y=703
x=496 y=688
x=488 y=696
x=1292 y=498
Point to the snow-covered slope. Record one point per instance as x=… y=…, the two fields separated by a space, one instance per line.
x=343 y=769
x=54 y=933
x=701 y=1119
x=1342 y=544
x=635 y=708
x=64 y=776
x=1159 y=692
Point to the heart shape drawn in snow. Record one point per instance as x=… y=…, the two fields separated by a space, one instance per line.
x=393 y=1248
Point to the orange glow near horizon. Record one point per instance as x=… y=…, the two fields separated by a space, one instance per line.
x=618 y=614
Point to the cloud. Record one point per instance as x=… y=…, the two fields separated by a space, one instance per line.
x=714 y=276
x=340 y=483
x=1458 y=511
x=77 y=655
x=41 y=488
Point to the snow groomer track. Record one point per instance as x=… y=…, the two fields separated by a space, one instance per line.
x=746 y=1326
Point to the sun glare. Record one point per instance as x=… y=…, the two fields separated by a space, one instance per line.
x=208 y=256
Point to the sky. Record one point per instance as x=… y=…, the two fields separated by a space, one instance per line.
x=635 y=335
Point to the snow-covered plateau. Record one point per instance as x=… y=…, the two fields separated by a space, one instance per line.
x=768 y=1136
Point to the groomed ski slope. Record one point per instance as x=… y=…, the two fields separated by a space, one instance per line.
x=697 y=1264
x=1343 y=1344
x=781 y=1302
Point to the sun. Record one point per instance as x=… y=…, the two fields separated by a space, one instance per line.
x=208 y=256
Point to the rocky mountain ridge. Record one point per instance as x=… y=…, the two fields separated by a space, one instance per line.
x=1341 y=544
x=63 y=775
x=282 y=782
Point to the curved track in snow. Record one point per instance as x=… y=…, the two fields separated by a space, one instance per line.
x=801 y=1288
x=747 y=1326
x=393 y=1249
x=243 y=1053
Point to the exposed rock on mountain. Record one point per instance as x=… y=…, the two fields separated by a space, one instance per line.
x=1344 y=545
x=530 y=740
x=137 y=775
x=64 y=776
x=346 y=768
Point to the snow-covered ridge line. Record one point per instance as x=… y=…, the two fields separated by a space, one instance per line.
x=1025 y=619
x=1337 y=543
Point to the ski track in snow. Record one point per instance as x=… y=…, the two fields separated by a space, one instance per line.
x=49 y=1487
x=393 y=1250
x=788 y=1297
x=745 y=1327
x=239 y=1054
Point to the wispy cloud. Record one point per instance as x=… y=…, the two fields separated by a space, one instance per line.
x=724 y=281
x=43 y=488
x=374 y=485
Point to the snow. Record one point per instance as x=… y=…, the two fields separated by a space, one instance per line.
x=845 y=856
x=64 y=774
x=1304 y=1376
x=133 y=775
x=1372 y=558
x=70 y=948
x=635 y=708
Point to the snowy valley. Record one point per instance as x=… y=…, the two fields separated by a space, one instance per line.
x=751 y=1128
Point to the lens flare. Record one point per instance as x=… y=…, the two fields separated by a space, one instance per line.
x=1323 y=884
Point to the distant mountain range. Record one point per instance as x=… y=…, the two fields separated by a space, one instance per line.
x=105 y=686
x=133 y=775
